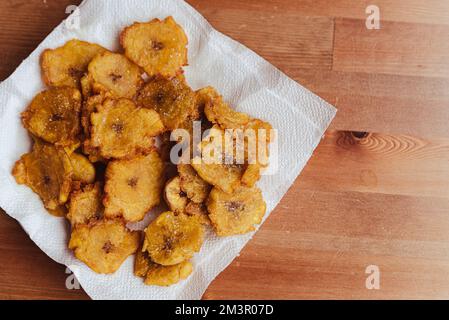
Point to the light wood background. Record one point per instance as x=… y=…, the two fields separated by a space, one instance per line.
x=380 y=198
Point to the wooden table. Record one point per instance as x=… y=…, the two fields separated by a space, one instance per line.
x=379 y=196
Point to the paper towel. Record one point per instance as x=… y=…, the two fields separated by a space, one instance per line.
x=246 y=80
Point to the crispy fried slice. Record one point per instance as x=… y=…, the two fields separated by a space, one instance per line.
x=86 y=87
x=54 y=116
x=172 y=99
x=142 y=263
x=60 y=211
x=199 y=211
x=93 y=153
x=166 y=276
x=176 y=199
x=133 y=187
x=47 y=171
x=251 y=175
x=257 y=135
x=103 y=245
x=115 y=74
x=64 y=66
x=89 y=106
x=160 y=47
x=83 y=170
x=121 y=130
x=191 y=183
x=156 y=274
x=235 y=213
x=219 y=112
x=217 y=165
x=85 y=205
x=172 y=239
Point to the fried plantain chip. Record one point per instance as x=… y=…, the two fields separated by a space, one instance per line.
x=48 y=172
x=85 y=205
x=66 y=65
x=60 y=211
x=236 y=213
x=251 y=175
x=171 y=98
x=142 y=263
x=191 y=183
x=86 y=87
x=103 y=245
x=54 y=116
x=121 y=130
x=114 y=74
x=160 y=47
x=133 y=187
x=171 y=239
x=174 y=197
x=83 y=170
x=158 y=275
x=166 y=276
x=221 y=169
x=89 y=106
x=219 y=112
x=198 y=211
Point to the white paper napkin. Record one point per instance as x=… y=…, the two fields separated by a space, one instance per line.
x=246 y=80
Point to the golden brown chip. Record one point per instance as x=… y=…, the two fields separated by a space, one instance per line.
x=121 y=130
x=171 y=98
x=60 y=211
x=104 y=244
x=166 y=276
x=251 y=175
x=175 y=198
x=217 y=165
x=171 y=239
x=198 y=211
x=86 y=87
x=85 y=205
x=66 y=65
x=133 y=187
x=219 y=112
x=54 y=116
x=236 y=213
x=158 y=275
x=160 y=47
x=89 y=106
x=114 y=74
x=142 y=263
x=83 y=170
x=191 y=183
x=47 y=171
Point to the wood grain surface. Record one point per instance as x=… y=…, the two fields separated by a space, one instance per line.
x=376 y=191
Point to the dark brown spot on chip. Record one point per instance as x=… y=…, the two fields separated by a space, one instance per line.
x=56 y=117
x=168 y=244
x=157 y=46
x=233 y=206
x=115 y=77
x=108 y=247
x=47 y=180
x=133 y=182
x=75 y=73
x=117 y=127
x=159 y=98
